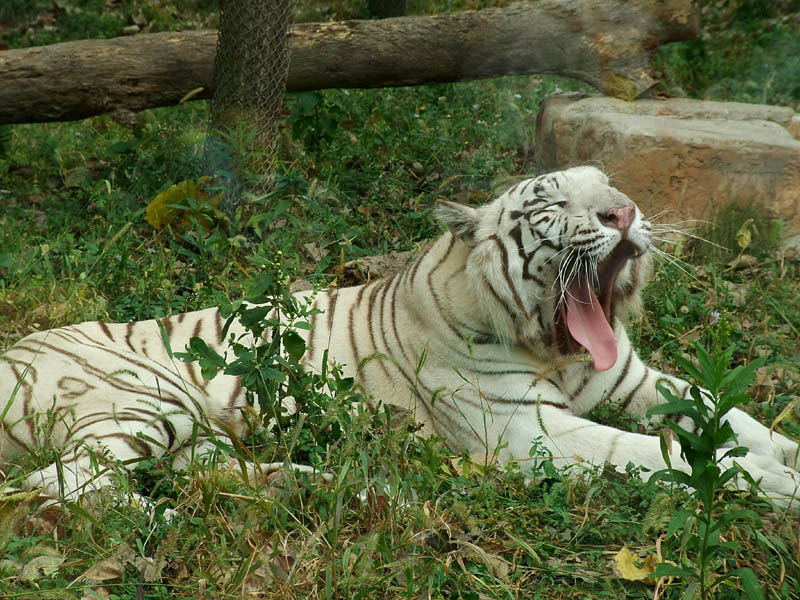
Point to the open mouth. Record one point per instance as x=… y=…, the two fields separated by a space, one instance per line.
x=586 y=316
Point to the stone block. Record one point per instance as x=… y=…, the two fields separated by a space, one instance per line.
x=688 y=157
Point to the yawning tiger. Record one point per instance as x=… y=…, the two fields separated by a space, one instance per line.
x=518 y=308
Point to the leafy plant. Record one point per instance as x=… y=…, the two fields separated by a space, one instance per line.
x=268 y=359
x=706 y=451
x=314 y=118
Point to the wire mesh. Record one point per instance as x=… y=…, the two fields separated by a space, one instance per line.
x=250 y=71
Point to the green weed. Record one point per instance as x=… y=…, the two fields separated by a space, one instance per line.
x=704 y=450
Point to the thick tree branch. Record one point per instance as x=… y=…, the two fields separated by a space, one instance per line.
x=606 y=43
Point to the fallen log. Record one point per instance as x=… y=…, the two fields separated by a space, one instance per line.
x=606 y=43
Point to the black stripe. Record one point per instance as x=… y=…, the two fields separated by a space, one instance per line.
x=350 y=326
x=623 y=374
x=632 y=393
x=104 y=328
x=497 y=296
x=129 y=333
x=516 y=235
x=507 y=275
x=333 y=295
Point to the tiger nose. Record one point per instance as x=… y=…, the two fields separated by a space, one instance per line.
x=619 y=217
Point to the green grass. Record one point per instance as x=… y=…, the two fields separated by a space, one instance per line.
x=359 y=172
x=747 y=52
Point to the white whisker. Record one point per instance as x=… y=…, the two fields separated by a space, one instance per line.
x=690 y=235
x=675 y=261
x=659 y=214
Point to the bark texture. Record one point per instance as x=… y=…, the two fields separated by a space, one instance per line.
x=606 y=43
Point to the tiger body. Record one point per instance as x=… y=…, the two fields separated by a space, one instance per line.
x=502 y=332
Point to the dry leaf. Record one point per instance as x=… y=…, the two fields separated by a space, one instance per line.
x=105 y=570
x=111 y=567
x=498 y=566
x=745 y=235
x=743 y=261
x=98 y=593
x=41 y=566
x=737 y=293
x=786 y=413
x=183 y=203
x=625 y=566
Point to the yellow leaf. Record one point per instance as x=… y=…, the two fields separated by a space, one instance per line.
x=784 y=414
x=744 y=235
x=625 y=566
x=110 y=568
x=183 y=204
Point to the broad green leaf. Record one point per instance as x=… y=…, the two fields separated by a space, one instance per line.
x=687 y=366
x=253 y=316
x=706 y=365
x=670 y=475
x=294 y=344
x=270 y=374
x=230 y=318
x=697 y=442
x=208 y=370
x=306 y=103
x=750 y=584
x=670 y=570
x=665 y=442
x=198 y=347
x=728 y=475
x=669 y=408
x=740 y=515
x=241 y=367
x=184 y=356
x=678 y=521
x=666 y=389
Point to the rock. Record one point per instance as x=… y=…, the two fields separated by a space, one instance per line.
x=688 y=156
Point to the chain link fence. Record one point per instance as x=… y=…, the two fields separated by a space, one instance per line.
x=250 y=71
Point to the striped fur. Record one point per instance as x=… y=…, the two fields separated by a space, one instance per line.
x=488 y=304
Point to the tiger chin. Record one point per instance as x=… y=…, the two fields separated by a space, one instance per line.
x=516 y=315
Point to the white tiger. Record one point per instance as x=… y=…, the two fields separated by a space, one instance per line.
x=518 y=308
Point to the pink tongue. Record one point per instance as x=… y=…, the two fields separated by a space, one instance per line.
x=588 y=325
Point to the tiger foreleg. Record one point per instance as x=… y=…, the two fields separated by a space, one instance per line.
x=637 y=388
x=574 y=440
x=770 y=454
x=749 y=432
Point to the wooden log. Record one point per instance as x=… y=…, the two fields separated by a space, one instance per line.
x=606 y=43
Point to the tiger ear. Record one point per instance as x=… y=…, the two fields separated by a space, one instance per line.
x=461 y=220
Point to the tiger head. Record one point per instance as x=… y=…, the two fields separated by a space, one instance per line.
x=555 y=261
